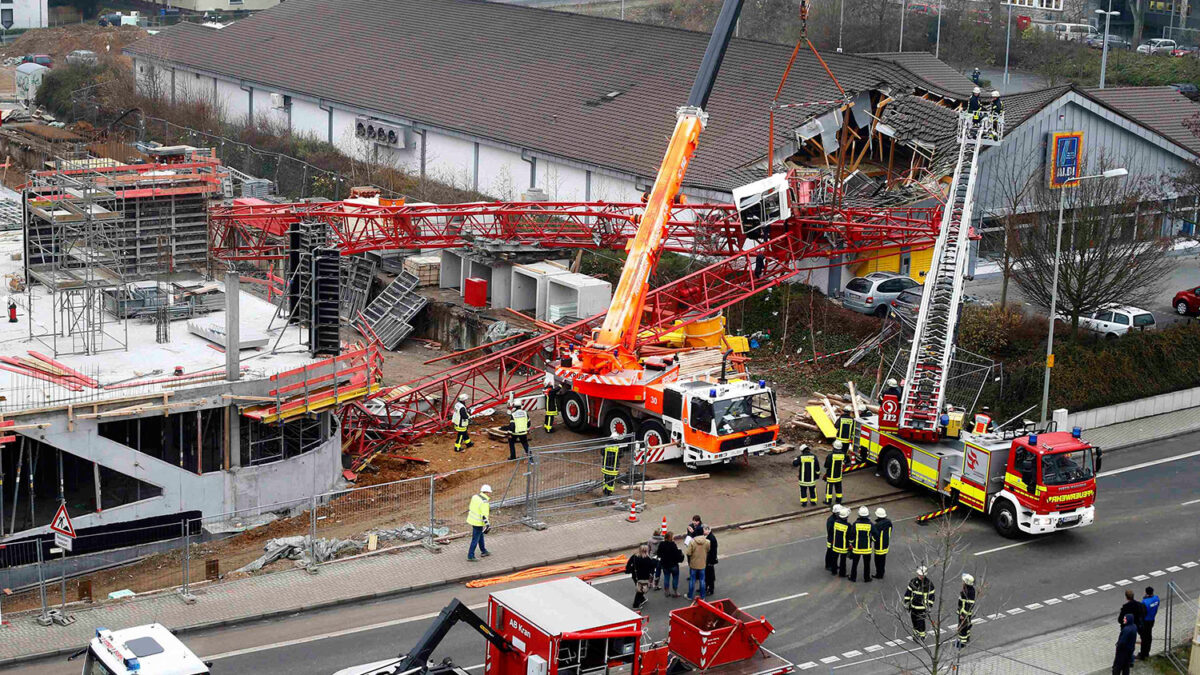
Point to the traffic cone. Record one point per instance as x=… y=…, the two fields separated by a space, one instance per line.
x=632 y=511
x=663 y=530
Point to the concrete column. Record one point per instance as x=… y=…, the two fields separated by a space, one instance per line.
x=235 y=438
x=232 y=325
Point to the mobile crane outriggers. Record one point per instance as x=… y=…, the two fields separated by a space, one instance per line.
x=676 y=413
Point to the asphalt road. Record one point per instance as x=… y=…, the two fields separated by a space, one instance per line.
x=1148 y=519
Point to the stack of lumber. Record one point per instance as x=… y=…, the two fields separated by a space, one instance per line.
x=42 y=367
x=821 y=410
x=661 y=484
x=699 y=361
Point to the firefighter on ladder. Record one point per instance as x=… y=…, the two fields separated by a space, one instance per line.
x=807 y=462
x=610 y=468
x=918 y=598
x=461 y=419
x=552 y=398
x=966 y=610
x=834 y=464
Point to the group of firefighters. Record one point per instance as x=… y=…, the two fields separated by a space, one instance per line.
x=518 y=423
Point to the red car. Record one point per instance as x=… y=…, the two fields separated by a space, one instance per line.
x=1187 y=301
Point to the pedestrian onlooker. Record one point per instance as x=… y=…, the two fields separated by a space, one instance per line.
x=640 y=567
x=655 y=540
x=697 y=557
x=1134 y=607
x=710 y=570
x=696 y=527
x=1126 y=641
x=479 y=518
x=669 y=557
x=1150 y=602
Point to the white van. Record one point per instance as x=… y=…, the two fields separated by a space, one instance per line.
x=1075 y=31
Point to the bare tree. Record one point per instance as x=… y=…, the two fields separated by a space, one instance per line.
x=939 y=552
x=1112 y=246
x=1014 y=180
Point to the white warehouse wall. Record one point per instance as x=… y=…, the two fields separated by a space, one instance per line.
x=27 y=13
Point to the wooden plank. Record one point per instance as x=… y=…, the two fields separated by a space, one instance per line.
x=823 y=421
x=854 y=399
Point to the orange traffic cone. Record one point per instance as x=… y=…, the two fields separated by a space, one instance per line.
x=663 y=529
x=633 y=511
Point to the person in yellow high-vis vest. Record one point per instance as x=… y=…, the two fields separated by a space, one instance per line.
x=845 y=426
x=461 y=419
x=918 y=598
x=552 y=397
x=610 y=468
x=841 y=541
x=807 y=476
x=860 y=545
x=518 y=432
x=478 y=517
x=834 y=465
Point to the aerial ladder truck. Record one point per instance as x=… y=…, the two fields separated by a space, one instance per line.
x=675 y=410
x=1031 y=482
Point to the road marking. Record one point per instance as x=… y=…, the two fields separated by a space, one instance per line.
x=1157 y=573
x=1174 y=568
x=1016 y=610
x=807 y=664
x=1070 y=596
x=995 y=617
x=1036 y=605
x=1090 y=591
x=1141 y=577
x=830 y=659
x=892 y=643
x=1001 y=548
x=874 y=648
x=1106 y=587
x=1124 y=582
x=979 y=620
x=1189 y=564
x=1194 y=501
x=333 y=634
x=1052 y=601
x=768 y=602
x=853 y=653
x=1143 y=465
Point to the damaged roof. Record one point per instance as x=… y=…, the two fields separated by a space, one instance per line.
x=531 y=78
x=931 y=69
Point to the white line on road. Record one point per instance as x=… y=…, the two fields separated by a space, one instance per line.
x=1001 y=548
x=1143 y=465
x=768 y=602
x=326 y=636
x=1194 y=501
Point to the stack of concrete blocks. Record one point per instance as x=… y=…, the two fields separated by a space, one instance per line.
x=575 y=295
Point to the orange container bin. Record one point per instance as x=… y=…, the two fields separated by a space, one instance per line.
x=475 y=292
x=707 y=634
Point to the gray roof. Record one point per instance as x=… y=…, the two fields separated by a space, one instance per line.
x=931 y=69
x=1020 y=107
x=1161 y=109
x=565 y=605
x=526 y=77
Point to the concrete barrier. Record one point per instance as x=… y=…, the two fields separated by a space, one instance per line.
x=1132 y=410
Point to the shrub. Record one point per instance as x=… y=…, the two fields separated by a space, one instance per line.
x=988 y=330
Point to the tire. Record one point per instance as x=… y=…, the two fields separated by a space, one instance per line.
x=1004 y=518
x=1181 y=308
x=1111 y=336
x=895 y=469
x=574 y=411
x=881 y=311
x=651 y=430
x=618 y=421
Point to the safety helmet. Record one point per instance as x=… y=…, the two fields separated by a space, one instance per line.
x=847 y=408
x=968 y=580
x=985 y=409
x=462 y=397
x=880 y=513
x=976 y=90
x=485 y=488
x=843 y=510
x=892 y=382
x=995 y=93
x=837 y=445
x=921 y=571
x=863 y=512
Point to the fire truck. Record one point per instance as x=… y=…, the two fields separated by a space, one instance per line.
x=1027 y=482
x=675 y=411
x=141 y=650
x=567 y=627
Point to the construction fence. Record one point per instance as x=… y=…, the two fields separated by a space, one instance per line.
x=1176 y=624
x=554 y=484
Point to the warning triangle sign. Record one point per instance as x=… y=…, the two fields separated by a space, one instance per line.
x=62 y=522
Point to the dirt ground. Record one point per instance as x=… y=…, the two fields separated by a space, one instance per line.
x=62 y=40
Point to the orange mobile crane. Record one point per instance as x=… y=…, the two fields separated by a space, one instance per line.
x=676 y=413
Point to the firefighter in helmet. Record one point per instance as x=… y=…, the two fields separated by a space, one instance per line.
x=461 y=418
x=918 y=598
x=966 y=610
x=835 y=462
x=845 y=426
x=518 y=431
x=553 y=396
x=841 y=540
x=892 y=388
x=612 y=461
x=807 y=463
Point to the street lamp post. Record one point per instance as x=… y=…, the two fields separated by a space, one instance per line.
x=1007 y=42
x=937 y=46
x=1062 y=199
x=1104 y=54
x=903 y=11
x=841 y=20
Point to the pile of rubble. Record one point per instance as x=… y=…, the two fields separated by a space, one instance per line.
x=307 y=552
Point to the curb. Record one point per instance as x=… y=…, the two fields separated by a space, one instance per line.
x=407 y=590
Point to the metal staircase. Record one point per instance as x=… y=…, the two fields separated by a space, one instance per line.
x=933 y=340
x=388 y=315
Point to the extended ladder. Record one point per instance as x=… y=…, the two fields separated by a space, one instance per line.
x=933 y=341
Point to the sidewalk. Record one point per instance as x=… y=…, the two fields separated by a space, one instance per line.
x=1134 y=432
x=1072 y=652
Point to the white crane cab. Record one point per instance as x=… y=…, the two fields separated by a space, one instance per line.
x=141 y=650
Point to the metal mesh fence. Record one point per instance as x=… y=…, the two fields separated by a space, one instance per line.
x=1177 y=620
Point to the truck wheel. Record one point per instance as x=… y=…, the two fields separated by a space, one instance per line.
x=1004 y=517
x=619 y=422
x=895 y=470
x=574 y=411
x=653 y=434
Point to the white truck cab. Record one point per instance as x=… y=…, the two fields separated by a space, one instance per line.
x=141 y=650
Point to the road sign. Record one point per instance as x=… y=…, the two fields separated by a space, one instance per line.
x=1066 y=149
x=62 y=522
x=63 y=541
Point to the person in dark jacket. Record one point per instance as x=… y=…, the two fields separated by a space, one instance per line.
x=1126 y=641
x=641 y=568
x=830 y=556
x=1146 y=631
x=669 y=557
x=696 y=527
x=881 y=537
x=710 y=570
x=1134 y=607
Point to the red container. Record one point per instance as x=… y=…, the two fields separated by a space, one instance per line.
x=708 y=635
x=475 y=292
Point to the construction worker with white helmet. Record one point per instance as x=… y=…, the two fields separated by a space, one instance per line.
x=860 y=545
x=610 y=466
x=518 y=430
x=835 y=463
x=841 y=540
x=966 y=610
x=918 y=599
x=461 y=419
x=881 y=540
x=478 y=517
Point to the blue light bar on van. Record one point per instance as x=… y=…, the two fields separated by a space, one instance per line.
x=1033 y=440
x=1076 y=432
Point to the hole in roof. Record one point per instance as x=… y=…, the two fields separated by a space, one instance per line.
x=604 y=98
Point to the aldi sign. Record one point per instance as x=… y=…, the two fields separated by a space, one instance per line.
x=1065 y=150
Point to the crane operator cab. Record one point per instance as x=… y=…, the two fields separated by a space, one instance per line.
x=762 y=203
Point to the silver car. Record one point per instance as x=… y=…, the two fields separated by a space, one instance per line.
x=873 y=294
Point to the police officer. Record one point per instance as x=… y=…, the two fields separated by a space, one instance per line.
x=841 y=540
x=461 y=419
x=835 y=462
x=860 y=545
x=518 y=432
x=918 y=598
x=552 y=398
x=830 y=556
x=966 y=610
x=807 y=462
x=611 y=463
x=881 y=539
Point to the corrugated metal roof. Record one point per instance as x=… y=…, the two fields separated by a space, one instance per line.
x=931 y=69
x=527 y=77
x=1160 y=109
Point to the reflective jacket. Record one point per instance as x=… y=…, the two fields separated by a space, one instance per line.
x=841 y=535
x=829 y=530
x=845 y=428
x=808 y=468
x=462 y=417
x=551 y=400
x=833 y=466
x=881 y=534
x=966 y=602
x=862 y=536
x=480 y=509
x=520 y=425
x=919 y=595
